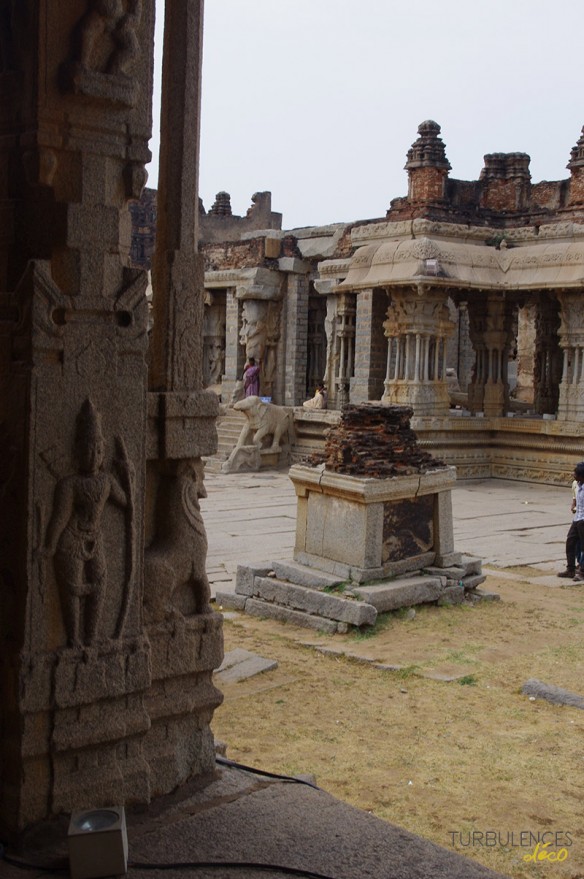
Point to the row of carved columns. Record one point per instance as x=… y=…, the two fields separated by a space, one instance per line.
x=395 y=344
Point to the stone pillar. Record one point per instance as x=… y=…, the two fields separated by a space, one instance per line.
x=296 y=337
x=76 y=81
x=234 y=354
x=491 y=332
x=571 y=397
x=526 y=345
x=260 y=295
x=416 y=330
x=184 y=633
x=548 y=360
x=214 y=339
x=344 y=348
x=370 y=346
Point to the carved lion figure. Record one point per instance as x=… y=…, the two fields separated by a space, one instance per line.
x=175 y=577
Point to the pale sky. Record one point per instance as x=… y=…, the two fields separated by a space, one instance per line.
x=318 y=101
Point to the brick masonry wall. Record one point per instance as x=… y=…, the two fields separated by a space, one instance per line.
x=234 y=254
x=427 y=184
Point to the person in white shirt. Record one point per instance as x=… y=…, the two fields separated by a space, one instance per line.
x=575 y=538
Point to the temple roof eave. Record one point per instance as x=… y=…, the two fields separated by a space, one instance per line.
x=464 y=265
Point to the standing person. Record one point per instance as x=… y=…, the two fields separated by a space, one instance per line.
x=575 y=536
x=251 y=378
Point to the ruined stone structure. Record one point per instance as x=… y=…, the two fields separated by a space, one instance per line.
x=373 y=532
x=466 y=286
x=107 y=639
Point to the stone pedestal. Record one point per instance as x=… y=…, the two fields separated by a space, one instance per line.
x=367 y=529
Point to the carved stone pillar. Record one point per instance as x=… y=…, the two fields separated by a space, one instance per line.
x=76 y=83
x=416 y=329
x=571 y=398
x=491 y=332
x=214 y=339
x=548 y=361
x=344 y=348
x=185 y=634
x=259 y=335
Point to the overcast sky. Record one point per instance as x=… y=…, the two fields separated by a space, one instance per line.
x=318 y=101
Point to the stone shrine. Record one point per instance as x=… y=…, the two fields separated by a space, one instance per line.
x=373 y=531
x=108 y=639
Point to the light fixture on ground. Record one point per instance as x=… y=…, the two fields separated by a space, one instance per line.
x=98 y=843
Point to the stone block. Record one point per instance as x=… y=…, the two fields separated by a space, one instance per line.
x=451 y=595
x=230 y=600
x=245 y=576
x=314 y=602
x=485 y=596
x=302 y=575
x=240 y=664
x=391 y=569
x=447 y=560
x=471 y=564
x=473 y=581
x=259 y=608
x=401 y=593
x=337 y=569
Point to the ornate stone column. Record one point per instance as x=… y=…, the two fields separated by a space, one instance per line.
x=344 y=348
x=491 y=332
x=214 y=339
x=185 y=634
x=416 y=329
x=76 y=81
x=571 y=398
x=259 y=333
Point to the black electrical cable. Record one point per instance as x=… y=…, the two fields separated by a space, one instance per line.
x=225 y=762
x=177 y=865
x=236 y=865
x=63 y=867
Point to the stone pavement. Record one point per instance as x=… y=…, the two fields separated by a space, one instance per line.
x=240 y=821
x=251 y=518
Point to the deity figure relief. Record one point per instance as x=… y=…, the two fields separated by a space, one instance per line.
x=74 y=534
x=108 y=41
x=253 y=332
x=213 y=345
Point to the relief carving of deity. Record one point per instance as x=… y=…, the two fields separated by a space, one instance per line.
x=74 y=535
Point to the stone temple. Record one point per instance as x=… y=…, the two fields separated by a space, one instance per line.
x=462 y=301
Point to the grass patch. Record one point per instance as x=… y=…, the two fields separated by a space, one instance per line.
x=468 y=681
x=381 y=624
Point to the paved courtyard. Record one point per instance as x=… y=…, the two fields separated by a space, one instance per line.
x=251 y=518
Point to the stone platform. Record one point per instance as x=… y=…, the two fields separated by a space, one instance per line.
x=314 y=599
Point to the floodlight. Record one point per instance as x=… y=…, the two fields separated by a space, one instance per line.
x=98 y=843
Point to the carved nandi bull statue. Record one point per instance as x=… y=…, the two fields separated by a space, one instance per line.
x=266 y=419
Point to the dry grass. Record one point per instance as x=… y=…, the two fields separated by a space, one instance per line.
x=435 y=756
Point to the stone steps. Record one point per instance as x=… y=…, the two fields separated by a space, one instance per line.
x=228 y=432
x=311 y=598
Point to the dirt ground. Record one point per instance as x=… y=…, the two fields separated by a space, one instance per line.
x=444 y=744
